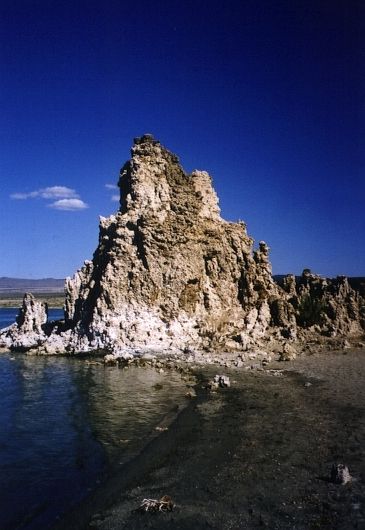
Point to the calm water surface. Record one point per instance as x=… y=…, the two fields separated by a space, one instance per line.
x=63 y=422
x=8 y=315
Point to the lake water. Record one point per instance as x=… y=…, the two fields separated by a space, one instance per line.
x=8 y=315
x=64 y=422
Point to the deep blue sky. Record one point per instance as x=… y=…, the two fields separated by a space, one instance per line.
x=268 y=96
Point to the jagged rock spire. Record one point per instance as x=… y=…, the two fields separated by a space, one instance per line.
x=168 y=269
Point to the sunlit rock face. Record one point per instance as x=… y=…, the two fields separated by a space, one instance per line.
x=169 y=274
x=29 y=330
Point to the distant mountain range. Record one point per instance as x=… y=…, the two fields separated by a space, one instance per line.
x=22 y=285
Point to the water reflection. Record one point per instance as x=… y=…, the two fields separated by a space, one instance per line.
x=135 y=401
x=62 y=421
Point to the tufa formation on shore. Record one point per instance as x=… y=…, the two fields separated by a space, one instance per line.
x=170 y=275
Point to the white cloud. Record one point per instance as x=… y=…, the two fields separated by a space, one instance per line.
x=52 y=192
x=23 y=196
x=115 y=198
x=58 y=192
x=111 y=186
x=69 y=205
x=67 y=198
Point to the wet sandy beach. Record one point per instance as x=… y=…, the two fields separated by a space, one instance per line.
x=255 y=455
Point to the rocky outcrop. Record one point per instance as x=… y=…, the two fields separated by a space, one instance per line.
x=329 y=306
x=29 y=329
x=340 y=474
x=170 y=274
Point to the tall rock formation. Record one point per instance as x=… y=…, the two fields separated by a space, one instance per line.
x=170 y=274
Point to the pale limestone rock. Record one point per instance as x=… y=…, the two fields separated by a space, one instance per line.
x=340 y=474
x=288 y=353
x=169 y=273
x=202 y=183
x=32 y=315
x=219 y=381
x=29 y=329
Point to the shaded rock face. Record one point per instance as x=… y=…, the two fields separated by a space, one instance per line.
x=329 y=306
x=170 y=274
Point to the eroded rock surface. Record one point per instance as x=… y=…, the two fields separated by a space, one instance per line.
x=169 y=274
x=29 y=328
x=329 y=306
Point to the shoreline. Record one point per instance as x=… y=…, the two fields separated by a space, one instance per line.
x=16 y=303
x=124 y=473
x=257 y=454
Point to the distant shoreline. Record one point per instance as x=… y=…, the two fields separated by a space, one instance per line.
x=14 y=300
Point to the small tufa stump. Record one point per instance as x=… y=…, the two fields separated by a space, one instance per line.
x=165 y=504
x=340 y=474
x=288 y=352
x=219 y=381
